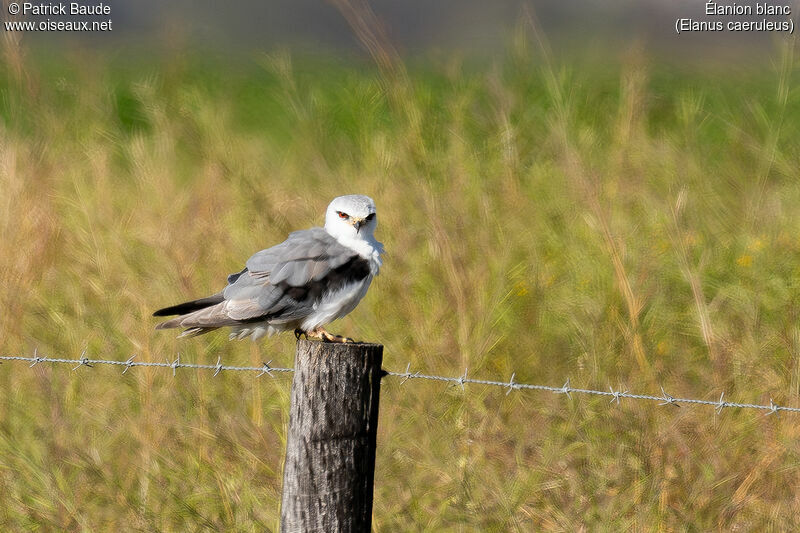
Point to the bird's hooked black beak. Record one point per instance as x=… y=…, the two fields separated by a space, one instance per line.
x=358 y=223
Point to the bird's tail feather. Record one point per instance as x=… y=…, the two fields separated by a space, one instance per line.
x=200 y=321
x=194 y=332
x=189 y=307
x=171 y=323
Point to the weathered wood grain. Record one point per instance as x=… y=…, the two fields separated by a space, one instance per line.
x=330 y=449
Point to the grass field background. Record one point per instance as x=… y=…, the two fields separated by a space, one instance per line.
x=624 y=223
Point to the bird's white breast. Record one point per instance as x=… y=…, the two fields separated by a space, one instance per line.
x=336 y=304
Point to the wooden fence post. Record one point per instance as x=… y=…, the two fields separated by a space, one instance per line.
x=330 y=448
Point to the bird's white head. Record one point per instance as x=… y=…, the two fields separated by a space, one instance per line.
x=351 y=218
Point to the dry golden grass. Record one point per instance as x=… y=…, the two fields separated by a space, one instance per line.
x=624 y=224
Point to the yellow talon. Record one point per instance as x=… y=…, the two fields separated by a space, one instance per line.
x=321 y=334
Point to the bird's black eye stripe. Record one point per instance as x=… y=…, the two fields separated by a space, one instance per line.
x=342 y=214
x=370 y=216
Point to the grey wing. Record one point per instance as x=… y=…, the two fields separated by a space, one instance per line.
x=283 y=283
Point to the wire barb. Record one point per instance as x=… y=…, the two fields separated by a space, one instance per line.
x=266 y=369
x=36 y=358
x=616 y=395
x=511 y=384
x=407 y=374
x=83 y=361
x=668 y=399
x=566 y=389
x=720 y=404
x=129 y=363
x=463 y=379
x=772 y=408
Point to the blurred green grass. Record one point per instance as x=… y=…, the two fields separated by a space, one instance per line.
x=626 y=223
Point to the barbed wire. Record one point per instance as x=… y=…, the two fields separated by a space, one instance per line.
x=265 y=368
x=509 y=386
x=616 y=396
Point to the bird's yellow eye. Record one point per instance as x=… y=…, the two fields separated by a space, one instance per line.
x=342 y=215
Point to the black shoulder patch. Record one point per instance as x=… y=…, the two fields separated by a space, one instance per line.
x=354 y=270
x=233 y=277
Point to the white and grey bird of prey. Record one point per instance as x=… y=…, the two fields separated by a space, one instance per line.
x=309 y=280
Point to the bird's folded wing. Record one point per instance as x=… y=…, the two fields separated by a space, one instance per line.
x=285 y=281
